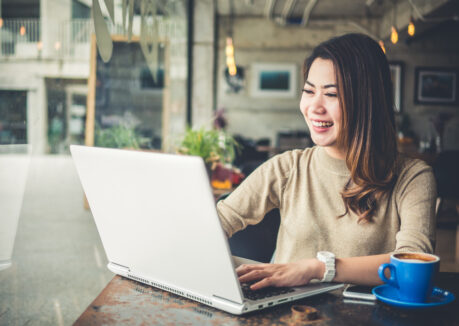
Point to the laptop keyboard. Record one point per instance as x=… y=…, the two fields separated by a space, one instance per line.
x=263 y=293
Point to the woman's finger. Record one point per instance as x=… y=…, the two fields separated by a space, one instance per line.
x=265 y=282
x=253 y=276
x=245 y=268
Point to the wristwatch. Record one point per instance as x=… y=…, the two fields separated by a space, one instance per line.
x=328 y=259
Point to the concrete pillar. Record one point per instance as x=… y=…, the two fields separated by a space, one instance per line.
x=37 y=118
x=203 y=63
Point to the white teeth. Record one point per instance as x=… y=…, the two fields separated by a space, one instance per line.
x=322 y=124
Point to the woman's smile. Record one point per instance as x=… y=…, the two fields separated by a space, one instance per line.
x=321 y=125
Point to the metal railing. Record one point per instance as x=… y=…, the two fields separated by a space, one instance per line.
x=19 y=34
x=74 y=38
x=70 y=40
x=22 y=38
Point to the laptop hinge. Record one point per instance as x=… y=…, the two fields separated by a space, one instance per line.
x=117 y=268
x=224 y=299
x=229 y=305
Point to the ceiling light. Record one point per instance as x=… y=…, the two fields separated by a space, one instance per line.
x=394 y=35
x=411 y=28
x=230 y=62
x=1 y=19
x=381 y=44
x=229 y=47
x=232 y=70
x=229 y=50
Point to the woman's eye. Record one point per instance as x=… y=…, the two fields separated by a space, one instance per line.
x=307 y=91
x=331 y=94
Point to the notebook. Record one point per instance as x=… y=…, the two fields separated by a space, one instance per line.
x=157 y=221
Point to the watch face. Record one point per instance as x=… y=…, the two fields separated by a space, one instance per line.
x=326 y=254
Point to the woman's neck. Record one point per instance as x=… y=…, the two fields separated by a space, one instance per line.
x=335 y=152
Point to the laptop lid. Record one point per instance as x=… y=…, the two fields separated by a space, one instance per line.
x=156 y=215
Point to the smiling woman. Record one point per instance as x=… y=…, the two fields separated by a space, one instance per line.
x=350 y=201
x=365 y=137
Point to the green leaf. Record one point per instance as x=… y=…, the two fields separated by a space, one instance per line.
x=212 y=145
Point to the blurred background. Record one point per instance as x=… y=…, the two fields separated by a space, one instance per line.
x=153 y=80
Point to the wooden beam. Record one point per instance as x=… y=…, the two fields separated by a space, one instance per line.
x=91 y=98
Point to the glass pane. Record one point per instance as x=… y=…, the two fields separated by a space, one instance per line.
x=128 y=95
x=52 y=262
x=13 y=117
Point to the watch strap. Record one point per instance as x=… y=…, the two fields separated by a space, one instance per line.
x=329 y=260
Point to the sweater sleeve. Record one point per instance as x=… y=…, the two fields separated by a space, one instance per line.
x=416 y=197
x=259 y=193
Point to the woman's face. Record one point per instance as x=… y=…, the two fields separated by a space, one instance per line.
x=320 y=106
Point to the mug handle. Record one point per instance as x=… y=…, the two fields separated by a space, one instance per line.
x=391 y=280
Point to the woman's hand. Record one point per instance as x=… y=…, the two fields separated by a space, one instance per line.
x=290 y=274
x=356 y=270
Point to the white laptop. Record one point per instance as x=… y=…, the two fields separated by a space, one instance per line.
x=157 y=220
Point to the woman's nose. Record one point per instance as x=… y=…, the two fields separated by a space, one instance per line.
x=317 y=104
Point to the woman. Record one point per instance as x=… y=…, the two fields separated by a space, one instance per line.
x=352 y=195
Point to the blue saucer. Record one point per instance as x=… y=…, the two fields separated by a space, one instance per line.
x=389 y=295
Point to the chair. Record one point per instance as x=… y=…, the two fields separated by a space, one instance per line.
x=247 y=152
x=446 y=172
x=256 y=242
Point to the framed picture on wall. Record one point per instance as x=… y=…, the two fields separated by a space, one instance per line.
x=274 y=80
x=436 y=86
x=396 y=73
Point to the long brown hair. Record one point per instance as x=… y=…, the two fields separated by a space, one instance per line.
x=368 y=125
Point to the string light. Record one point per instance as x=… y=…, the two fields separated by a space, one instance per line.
x=39 y=45
x=381 y=44
x=22 y=30
x=230 y=62
x=1 y=22
x=229 y=47
x=411 y=29
x=57 y=45
x=232 y=70
x=394 y=35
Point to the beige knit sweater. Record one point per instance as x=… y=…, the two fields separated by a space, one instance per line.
x=305 y=185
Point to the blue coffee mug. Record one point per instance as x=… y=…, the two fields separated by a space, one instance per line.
x=412 y=274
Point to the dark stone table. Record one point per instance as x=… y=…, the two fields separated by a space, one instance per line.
x=126 y=302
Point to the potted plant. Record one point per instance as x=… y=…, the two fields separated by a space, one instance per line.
x=119 y=136
x=216 y=147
